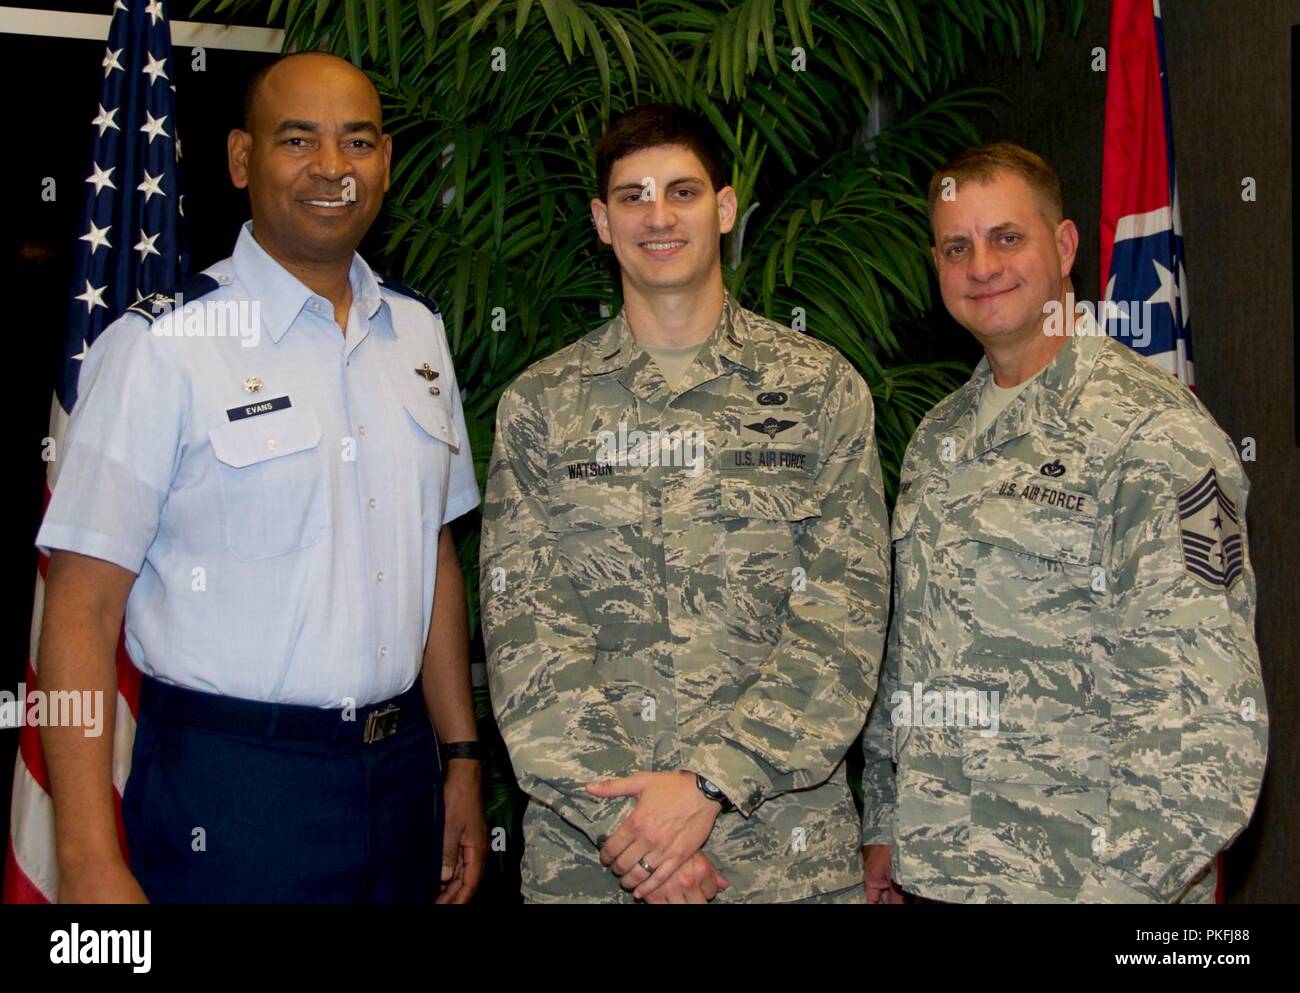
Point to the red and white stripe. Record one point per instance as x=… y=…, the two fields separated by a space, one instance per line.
x=31 y=867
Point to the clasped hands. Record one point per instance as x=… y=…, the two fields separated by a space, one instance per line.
x=665 y=831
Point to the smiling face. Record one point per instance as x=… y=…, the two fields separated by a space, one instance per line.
x=999 y=259
x=315 y=160
x=663 y=219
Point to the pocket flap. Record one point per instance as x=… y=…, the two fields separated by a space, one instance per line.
x=1037 y=759
x=590 y=495
x=435 y=420
x=773 y=501
x=1046 y=532
x=268 y=436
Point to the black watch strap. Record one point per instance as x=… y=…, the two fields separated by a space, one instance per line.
x=713 y=793
x=463 y=750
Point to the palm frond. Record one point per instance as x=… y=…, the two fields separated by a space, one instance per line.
x=495 y=106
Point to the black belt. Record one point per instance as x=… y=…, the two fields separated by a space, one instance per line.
x=170 y=704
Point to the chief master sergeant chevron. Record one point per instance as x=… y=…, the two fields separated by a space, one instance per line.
x=1070 y=547
x=273 y=519
x=684 y=569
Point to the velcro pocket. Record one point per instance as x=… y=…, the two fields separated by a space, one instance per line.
x=595 y=514
x=589 y=495
x=762 y=521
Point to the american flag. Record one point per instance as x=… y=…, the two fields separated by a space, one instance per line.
x=131 y=247
x=1141 y=230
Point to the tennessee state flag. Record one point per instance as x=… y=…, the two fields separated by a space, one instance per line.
x=1141 y=229
x=1143 y=281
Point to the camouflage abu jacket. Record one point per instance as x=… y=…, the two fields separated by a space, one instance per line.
x=687 y=579
x=1071 y=690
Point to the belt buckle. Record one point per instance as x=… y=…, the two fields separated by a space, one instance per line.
x=381 y=723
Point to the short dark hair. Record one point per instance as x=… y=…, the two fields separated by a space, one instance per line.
x=259 y=77
x=652 y=125
x=984 y=162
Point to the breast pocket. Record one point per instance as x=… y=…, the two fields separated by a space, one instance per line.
x=1030 y=591
x=1027 y=573
x=763 y=522
x=274 y=486
x=596 y=514
x=435 y=438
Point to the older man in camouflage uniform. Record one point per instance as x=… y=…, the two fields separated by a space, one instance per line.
x=684 y=570
x=1070 y=548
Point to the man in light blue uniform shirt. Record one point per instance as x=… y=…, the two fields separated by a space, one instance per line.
x=261 y=467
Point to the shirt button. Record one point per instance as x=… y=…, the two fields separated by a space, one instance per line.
x=270 y=444
x=372 y=503
x=362 y=430
x=379 y=577
x=383 y=651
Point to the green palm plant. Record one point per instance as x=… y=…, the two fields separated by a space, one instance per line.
x=495 y=106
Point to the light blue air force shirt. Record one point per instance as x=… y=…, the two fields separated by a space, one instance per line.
x=278 y=486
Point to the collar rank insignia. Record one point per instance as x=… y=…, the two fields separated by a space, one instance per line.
x=771 y=426
x=1211 y=533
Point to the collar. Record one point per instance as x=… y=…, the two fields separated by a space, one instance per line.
x=281 y=296
x=1047 y=400
x=612 y=348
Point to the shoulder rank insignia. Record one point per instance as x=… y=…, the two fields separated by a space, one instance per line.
x=406 y=291
x=160 y=304
x=1211 y=533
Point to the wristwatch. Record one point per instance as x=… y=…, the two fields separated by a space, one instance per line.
x=463 y=750
x=713 y=793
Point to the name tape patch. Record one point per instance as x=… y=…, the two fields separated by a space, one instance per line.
x=262 y=407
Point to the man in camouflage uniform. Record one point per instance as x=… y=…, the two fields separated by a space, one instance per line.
x=1080 y=553
x=684 y=570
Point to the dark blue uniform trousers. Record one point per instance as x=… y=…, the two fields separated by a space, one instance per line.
x=235 y=801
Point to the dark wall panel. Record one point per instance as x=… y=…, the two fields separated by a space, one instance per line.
x=1230 y=88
